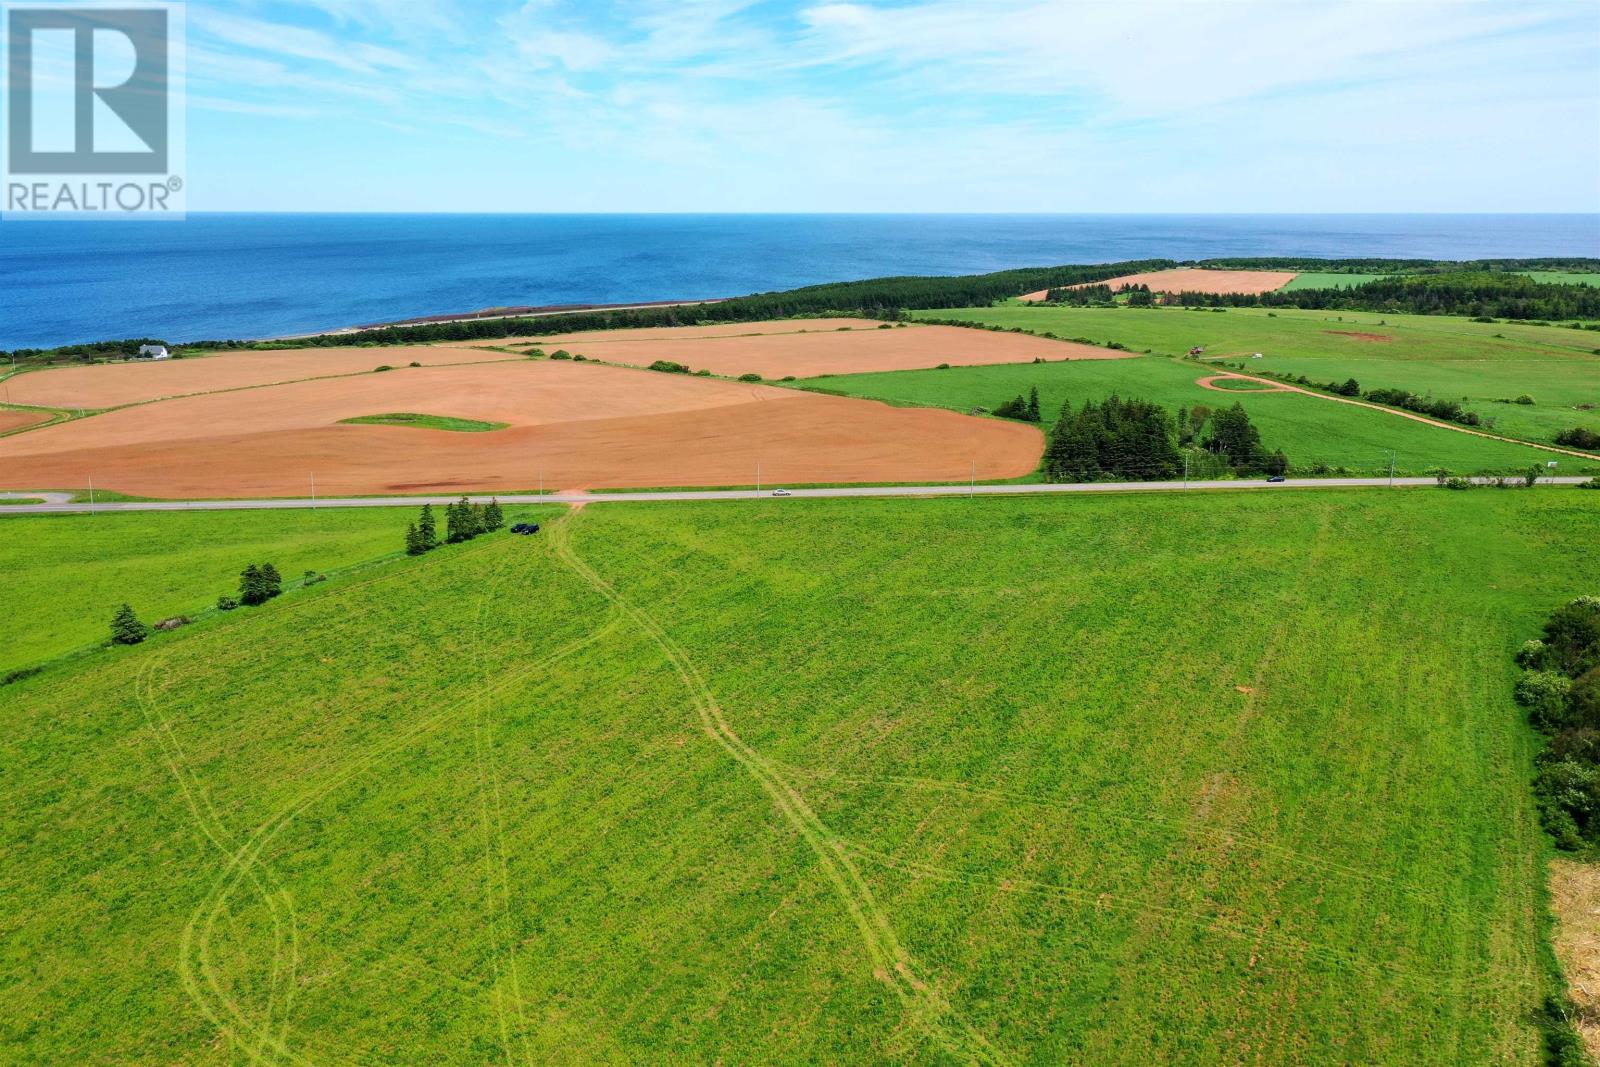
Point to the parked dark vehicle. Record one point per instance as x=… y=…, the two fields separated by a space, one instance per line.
x=525 y=528
x=1277 y=478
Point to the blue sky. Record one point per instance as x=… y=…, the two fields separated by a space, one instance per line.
x=915 y=105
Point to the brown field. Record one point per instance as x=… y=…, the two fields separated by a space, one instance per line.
x=1205 y=281
x=662 y=333
x=115 y=384
x=1575 y=898
x=16 y=420
x=581 y=426
x=778 y=353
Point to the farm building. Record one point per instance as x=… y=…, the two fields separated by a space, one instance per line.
x=154 y=352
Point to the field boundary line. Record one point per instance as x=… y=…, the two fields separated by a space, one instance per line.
x=929 y=1009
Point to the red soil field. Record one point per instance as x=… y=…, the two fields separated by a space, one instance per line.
x=114 y=384
x=818 y=351
x=1205 y=281
x=581 y=426
x=16 y=420
x=721 y=329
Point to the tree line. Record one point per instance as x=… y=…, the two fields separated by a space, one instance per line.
x=1482 y=294
x=1137 y=440
x=463 y=519
x=1560 y=688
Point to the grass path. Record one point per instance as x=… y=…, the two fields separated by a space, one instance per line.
x=930 y=1010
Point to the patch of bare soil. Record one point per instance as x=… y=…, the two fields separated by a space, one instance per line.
x=1199 y=280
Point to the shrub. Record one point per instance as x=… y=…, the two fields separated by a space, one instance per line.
x=702 y=373
x=1458 y=483
x=562 y=354
x=381 y=368
x=126 y=629
x=666 y=366
x=1531 y=656
x=1579 y=437
x=20 y=674
x=886 y=326
x=580 y=358
x=1572 y=636
x=1524 y=399
x=943 y=366
x=756 y=377
x=1584 y=701
x=313 y=578
x=1592 y=483
x=227 y=603
x=1547 y=696
x=166 y=626
x=1569 y=795
x=414 y=363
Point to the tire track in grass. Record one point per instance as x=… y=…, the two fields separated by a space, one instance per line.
x=929 y=1009
x=206 y=819
x=492 y=812
x=204 y=987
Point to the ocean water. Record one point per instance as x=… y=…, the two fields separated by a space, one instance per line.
x=248 y=276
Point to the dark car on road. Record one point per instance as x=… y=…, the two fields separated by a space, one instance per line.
x=525 y=528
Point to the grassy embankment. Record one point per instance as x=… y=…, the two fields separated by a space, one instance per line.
x=1118 y=780
x=427 y=422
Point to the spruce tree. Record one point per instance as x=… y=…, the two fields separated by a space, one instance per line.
x=271 y=581
x=427 y=532
x=414 y=545
x=458 y=522
x=252 y=590
x=493 y=517
x=126 y=629
x=1033 y=405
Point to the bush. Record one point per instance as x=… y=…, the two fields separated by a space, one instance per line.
x=943 y=366
x=757 y=377
x=415 y=364
x=787 y=378
x=1579 y=437
x=313 y=578
x=666 y=366
x=1458 y=483
x=702 y=374
x=1572 y=636
x=1592 y=483
x=562 y=354
x=1531 y=656
x=381 y=368
x=20 y=674
x=1524 y=399
x=1584 y=701
x=227 y=603
x=1569 y=793
x=1548 y=698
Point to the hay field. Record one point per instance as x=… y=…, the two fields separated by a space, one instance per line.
x=1107 y=781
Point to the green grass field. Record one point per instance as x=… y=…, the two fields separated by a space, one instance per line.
x=1562 y=277
x=1310 y=430
x=1330 y=280
x=427 y=422
x=65 y=575
x=1431 y=355
x=1132 y=780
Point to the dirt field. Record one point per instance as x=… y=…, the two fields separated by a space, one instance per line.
x=114 y=384
x=1195 y=281
x=1575 y=897
x=661 y=333
x=16 y=420
x=776 y=353
x=583 y=426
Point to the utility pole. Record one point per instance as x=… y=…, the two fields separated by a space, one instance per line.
x=1186 y=470
x=1391 y=468
x=91 y=494
x=313 y=490
x=758 y=477
x=972 y=490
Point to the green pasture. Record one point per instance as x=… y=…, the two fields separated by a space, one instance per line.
x=1309 y=429
x=66 y=574
x=1330 y=280
x=1562 y=277
x=427 y=422
x=1135 y=780
x=1451 y=358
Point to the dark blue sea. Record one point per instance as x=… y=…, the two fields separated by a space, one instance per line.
x=238 y=276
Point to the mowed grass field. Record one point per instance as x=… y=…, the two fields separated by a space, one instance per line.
x=1310 y=430
x=1133 y=780
x=1330 y=280
x=65 y=575
x=1450 y=358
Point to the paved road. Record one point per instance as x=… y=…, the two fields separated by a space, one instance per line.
x=58 y=503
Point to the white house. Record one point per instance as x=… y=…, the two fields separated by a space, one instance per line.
x=154 y=352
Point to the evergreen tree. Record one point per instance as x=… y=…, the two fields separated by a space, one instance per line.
x=1278 y=464
x=493 y=517
x=126 y=629
x=459 y=522
x=1235 y=439
x=427 y=532
x=414 y=545
x=252 y=590
x=1033 y=405
x=480 y=519
x=271 y=580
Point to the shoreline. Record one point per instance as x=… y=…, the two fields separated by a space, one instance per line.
x=492 y=314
